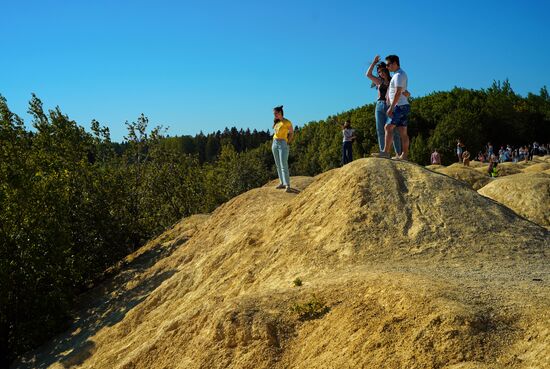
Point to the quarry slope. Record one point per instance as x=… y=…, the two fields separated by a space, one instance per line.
x=379 y=264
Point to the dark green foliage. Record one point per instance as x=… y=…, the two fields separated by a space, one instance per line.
x=208 y=148
x=233 y=174
x=318 y=145
x=57 y=225
x=419 y=152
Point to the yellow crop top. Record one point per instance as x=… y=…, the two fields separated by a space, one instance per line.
x=281 y=129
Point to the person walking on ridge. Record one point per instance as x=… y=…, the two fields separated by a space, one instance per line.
x=282 y=137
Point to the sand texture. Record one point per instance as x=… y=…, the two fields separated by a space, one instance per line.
x=476 y=179
x=528 y=194
x=538 y=167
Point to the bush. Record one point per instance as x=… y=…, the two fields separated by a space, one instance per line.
x=312 y=309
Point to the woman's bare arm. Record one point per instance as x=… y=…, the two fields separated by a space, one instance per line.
x=377 y=81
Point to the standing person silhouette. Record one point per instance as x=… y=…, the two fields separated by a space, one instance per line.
x=466 y=158
x=282 y=137
x=348 y=134
x=490 y=150
x=459 y=150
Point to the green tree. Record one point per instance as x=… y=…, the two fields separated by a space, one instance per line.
x=419 y=152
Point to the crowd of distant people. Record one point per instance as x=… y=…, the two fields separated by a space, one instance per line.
x=513 y=154
x=506 y=153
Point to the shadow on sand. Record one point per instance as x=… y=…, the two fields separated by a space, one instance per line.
x=103 y=306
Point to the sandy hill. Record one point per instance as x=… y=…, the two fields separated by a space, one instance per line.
x=528 y=194
x=475 y=178
x=477 y=164
x=379 y=264
x=538 y=167
x=540 y=159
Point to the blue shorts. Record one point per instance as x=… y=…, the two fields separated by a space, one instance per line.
x=400 y=116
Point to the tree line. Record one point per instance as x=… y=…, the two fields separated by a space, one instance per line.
x=208 y=147
x=73 y=202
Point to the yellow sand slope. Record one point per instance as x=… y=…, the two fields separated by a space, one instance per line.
x=475 y=178
x=538 y=167
x=528 y=194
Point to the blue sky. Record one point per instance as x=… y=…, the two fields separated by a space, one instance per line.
x=205 y=65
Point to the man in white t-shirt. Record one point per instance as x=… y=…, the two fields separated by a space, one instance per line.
x=398 y=112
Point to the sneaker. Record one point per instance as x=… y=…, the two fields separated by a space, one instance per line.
x=396 y=157
x=288 y=189
x=381 y=154
x=280 y=186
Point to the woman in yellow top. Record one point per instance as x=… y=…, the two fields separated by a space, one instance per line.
x=282 y=137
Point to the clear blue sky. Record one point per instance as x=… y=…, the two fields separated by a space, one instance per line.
x=204 y=65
